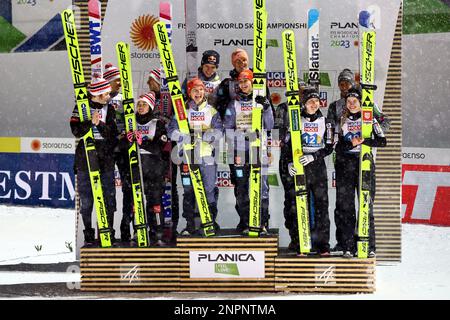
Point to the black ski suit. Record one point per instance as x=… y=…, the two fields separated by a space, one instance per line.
x=347 y=180
x=316 y=176
x=154 y=137
x=105 y=134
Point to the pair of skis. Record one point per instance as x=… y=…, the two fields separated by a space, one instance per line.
x=294 y=112
x=367 y=74
x=74 y=55
x=259 y=89
x=165 y=50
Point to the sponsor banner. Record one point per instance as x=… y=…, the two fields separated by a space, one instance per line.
x=227 y=264
x=426 y=186
x=47 y=145
x=37 y=179
x=338 y=37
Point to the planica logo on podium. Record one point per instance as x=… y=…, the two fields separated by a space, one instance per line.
x=227 y=264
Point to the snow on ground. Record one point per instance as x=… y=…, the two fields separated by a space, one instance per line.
x=23 y=230
x=424 y=272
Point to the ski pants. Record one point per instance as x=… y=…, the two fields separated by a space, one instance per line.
x=87 y=199
x=122 y=162
x=317 y=186
x=239 y=176
x=209 y=176
x=152 y=169
x=347 y=180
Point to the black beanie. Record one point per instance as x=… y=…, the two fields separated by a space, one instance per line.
x=346 y=75
x=354 y=92
x=211 y=57
x=309 y=93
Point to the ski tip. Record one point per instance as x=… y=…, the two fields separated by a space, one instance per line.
x=313 y=17
x=364 y=18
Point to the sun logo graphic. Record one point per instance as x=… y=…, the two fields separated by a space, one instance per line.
x=142 y=34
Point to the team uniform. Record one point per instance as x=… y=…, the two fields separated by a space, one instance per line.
x=238 y=117
x=347 y=178
x=170 y=145
x=153 y=134
x=317 y=141
x=201 y=118
x=334 y=114
x=105 y=135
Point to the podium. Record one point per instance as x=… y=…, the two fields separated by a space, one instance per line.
x=228 y=262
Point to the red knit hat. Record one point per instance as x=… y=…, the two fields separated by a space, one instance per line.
x=99 y=85
x=111 y=73
x=194 y=82
x=246 y=74
x=148 y=98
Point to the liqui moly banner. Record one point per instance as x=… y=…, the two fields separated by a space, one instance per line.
x=426 y=186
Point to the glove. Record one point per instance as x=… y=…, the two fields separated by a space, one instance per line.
x=306 y=159
x=292 y=171
x=263 y=100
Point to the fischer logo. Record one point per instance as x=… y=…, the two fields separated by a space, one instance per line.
x=72 y=49
x=259 y=34
x=165 y=51
x=369 y=56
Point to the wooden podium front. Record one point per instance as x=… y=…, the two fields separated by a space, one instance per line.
x=224 y=263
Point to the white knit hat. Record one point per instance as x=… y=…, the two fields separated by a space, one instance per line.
x=111 y=73
x=99 y=85
x=148 y=98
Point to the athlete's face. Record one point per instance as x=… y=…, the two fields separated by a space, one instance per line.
x=142 y=107
x=353 y=104
x=102 y=98
x=197 y=94
x=209 y=70
x=245 y=85
x=312 y=105
x=153 y=85
x=115 y=85
x=241 y=64
x=344 y=86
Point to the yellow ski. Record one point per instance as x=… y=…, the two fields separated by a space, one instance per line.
x=165 y=50
x=293 y=102
x=140 y=223
x=73 y=51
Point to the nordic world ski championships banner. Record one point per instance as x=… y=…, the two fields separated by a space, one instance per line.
x=226 y=25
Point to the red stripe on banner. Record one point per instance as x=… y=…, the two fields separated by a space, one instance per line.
x=96 y=60
x=163 y=16
x=94 y=15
